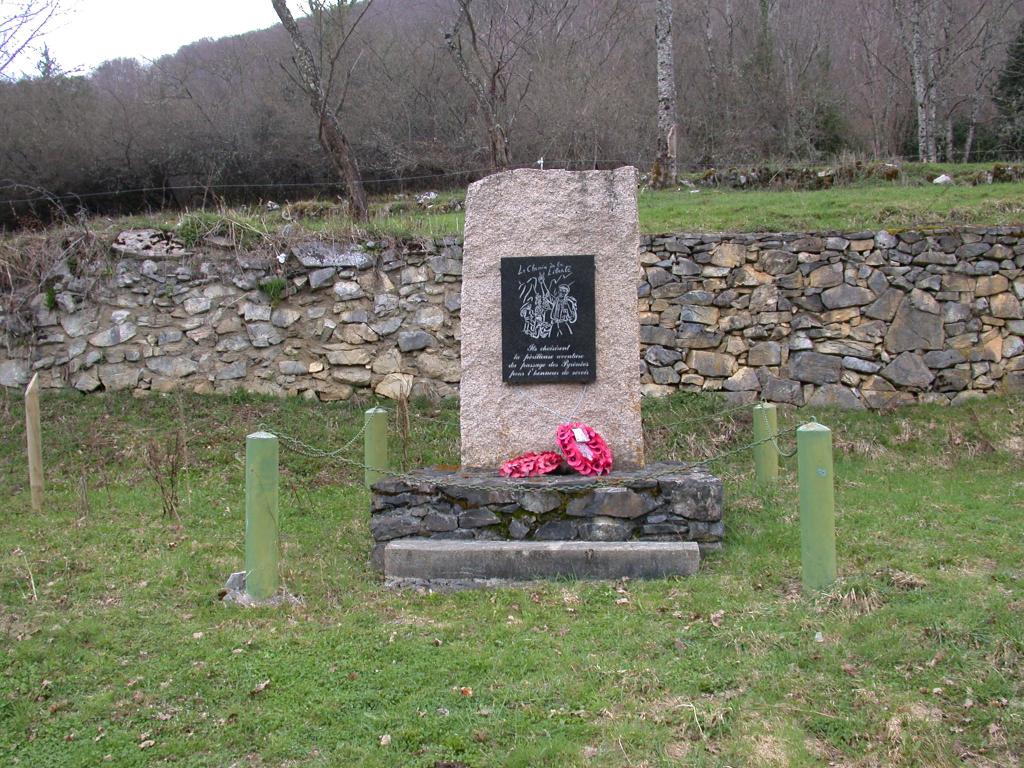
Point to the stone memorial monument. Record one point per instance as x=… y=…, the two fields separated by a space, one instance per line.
x=550 y=337
x=550 y=332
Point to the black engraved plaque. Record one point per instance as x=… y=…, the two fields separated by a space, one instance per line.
x=547 y=319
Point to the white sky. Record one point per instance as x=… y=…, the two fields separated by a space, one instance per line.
x=90 y=32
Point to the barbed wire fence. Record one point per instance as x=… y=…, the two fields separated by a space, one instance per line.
x=41 y=195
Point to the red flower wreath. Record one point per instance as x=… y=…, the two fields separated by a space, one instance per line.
x=591 y=456
x=531 y=464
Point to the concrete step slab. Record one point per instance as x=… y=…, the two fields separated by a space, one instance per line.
x=446 y=560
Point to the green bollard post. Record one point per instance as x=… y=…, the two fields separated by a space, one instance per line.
x=766 y=458
x=817 y=506
x=375 y=445
x=261 y=532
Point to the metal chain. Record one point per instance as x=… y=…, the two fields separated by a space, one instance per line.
x=748 y=446
x=774 y=438
x=295 y=445
x=537 y=483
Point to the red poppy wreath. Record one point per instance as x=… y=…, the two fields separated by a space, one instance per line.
x=531 y=464
x=584 y=449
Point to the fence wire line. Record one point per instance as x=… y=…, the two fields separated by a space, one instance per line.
x=1016 y=157
x=564 y=482
x=252 y=185
x=214 y=187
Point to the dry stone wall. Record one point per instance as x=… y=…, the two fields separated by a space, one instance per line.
x=863 y=319
x=321 y=321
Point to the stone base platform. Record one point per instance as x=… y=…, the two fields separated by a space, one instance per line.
x=457 y=563
x=660 y=503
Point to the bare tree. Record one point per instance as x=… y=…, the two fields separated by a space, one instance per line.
x=490 y=44
x=332 y=32
x=874 y=78
x=913 y=17
x=666 y=168
x=578 y=111
x=941 y=38
x=712 y=75
x=982 y=74
x=970 y=31
x=21 y=24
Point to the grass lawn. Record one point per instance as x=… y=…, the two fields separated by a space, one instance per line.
x=115 y=649
x=844 y=208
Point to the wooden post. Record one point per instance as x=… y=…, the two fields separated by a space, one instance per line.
x=34 y=439
x=766 y=458
x=375 y=445
x=817 y=506
x=261 y=532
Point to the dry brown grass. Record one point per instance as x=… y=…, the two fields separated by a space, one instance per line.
x=769 y=752
x=849 y=602
x=961 y=442
x=901 y=579
x=32 y=260
x=856 y=446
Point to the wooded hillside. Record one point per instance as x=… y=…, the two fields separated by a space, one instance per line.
x=419 y=86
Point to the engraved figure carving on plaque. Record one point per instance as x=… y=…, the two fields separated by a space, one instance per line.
x=547 y=307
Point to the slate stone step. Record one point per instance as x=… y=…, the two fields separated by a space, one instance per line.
x=445 y=560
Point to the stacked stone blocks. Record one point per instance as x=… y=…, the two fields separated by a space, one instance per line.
x=861 y=319
x=664 y=502
x=342 y=319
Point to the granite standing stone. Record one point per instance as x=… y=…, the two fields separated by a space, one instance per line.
x=550 y=213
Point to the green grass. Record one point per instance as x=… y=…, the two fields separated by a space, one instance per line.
x=113 y=637
x=274 y=288
x=847 y=209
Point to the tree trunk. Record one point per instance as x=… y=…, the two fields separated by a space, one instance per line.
x=930 y=68
x=917 y=70
x=969 y=141
x=666 y=169
x=497 y=137
x=950 y=148
x=334 y=142
x=979 y=87
x=500 y=157
x=331 y=136
x=709 y=49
